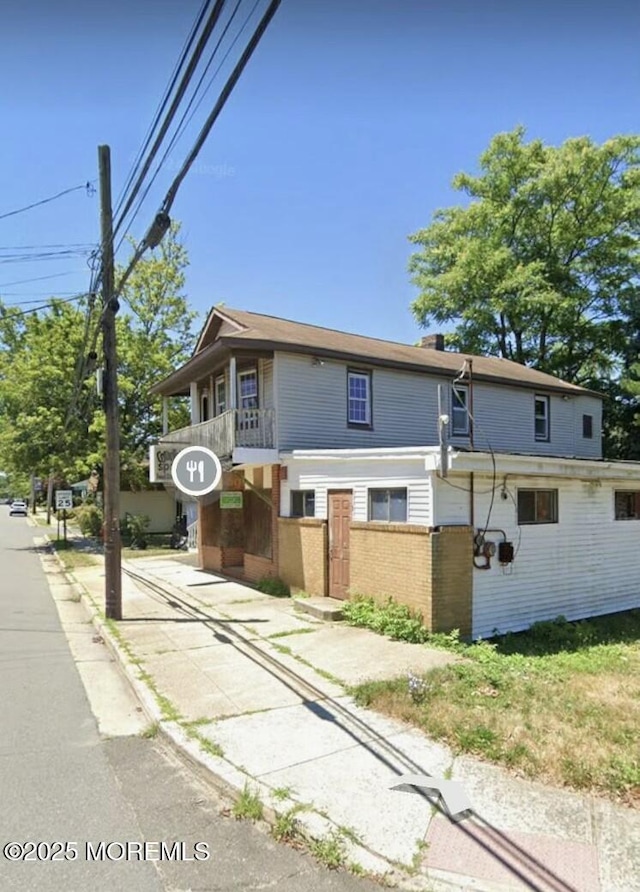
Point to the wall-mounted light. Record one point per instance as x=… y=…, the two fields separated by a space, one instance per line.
x=317 y=361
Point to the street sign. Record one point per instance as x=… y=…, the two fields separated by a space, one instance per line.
x=196 y=470
x=64 y=499
x=231 y=500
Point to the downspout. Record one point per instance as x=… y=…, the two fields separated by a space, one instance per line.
x=471 y=511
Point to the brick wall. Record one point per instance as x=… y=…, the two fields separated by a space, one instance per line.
x=302 y=549
x=452 y=579
x=257 y=568
x=392 y=560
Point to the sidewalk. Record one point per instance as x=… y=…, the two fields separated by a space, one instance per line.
x=255 y=690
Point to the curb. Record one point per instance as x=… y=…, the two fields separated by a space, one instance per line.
x=229 y=781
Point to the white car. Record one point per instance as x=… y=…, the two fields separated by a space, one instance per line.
x=18 y=507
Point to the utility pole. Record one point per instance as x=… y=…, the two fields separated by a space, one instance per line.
x=112 y=544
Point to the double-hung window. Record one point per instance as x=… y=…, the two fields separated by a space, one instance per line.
x=388 y=505
x=541 y=418
x=460 y=410
x=359 y=398
x=248 y=389
x=221 y=395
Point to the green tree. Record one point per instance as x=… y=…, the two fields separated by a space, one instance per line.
x=154 y=337
x=38 y=354
x=541 y=265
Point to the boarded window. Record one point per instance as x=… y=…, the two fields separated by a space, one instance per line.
x=257 y=523
x=537 y=506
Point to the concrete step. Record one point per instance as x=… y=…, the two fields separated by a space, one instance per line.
x=328 y=609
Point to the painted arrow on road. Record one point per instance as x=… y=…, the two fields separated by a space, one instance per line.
x=453 y=796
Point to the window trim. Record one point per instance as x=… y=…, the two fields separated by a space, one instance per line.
x=587 y=426
x=368 y=376
x=627 y=492
x=464 y=388
x=253 y=370
x=543 y=398
x=388 y=490
x=536 y=522
x=221 y=379
x=305 y=493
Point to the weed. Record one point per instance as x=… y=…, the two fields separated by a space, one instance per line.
x=281 y=793
x=271 y=585
x=286 y=826
x=396 y=621
x=291 y=632
x=248 y=806
x=151 y=732
x=329 y=850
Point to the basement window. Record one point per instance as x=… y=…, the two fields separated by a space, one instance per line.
x=537 y=506
x=388 y=505
x=303 y=503
x=627 y=505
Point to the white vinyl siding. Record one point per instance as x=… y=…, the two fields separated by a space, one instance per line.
x=360 y=476
x=584 y=565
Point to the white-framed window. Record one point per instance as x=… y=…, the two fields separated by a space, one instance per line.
x=303 y=503
x=460 y=410
x=537 y=506
x=388 y=505
x=627 y=504
x=359 y=398
x=587 y=427
x=541 y=418
x=248 y=389
x=221 y=395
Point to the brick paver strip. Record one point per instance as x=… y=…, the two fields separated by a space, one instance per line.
x=545 y=864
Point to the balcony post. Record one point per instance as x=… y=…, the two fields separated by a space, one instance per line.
x=233 y=384
x=195 y=405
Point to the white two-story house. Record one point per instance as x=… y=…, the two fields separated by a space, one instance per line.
x=470 y=488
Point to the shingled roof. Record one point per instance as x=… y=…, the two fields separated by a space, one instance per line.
x=239 y=329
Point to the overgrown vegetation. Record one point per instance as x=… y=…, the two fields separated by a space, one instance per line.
x=90 y=518
x=271 y=585
x=560 y=703
x=395 y=620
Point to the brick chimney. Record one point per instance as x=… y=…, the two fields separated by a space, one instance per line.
x=433 y=342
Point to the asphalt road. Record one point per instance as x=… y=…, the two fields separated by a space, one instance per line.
x=63 y=785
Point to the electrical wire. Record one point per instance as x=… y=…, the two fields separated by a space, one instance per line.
x=47 y=306
x=226 y=92
x=163 y=103
x=182 y=88
x=88 y=186
x=70 y=272
x=183 y=123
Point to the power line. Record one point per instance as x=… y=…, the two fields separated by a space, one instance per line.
x=182 y=88
x=46 y=306
x=70 y=272
x=184 y=121
x=163 y=102
x=226 y=92
x=88 y=186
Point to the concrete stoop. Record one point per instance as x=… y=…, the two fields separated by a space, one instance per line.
x=327 y=609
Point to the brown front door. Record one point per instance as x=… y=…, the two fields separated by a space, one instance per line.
x=339 y=520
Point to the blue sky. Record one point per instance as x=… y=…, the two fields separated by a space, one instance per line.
x=340 y=140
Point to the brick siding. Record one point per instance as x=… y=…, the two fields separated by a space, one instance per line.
x=302 y=548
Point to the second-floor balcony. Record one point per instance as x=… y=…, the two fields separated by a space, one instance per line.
x=248 y=428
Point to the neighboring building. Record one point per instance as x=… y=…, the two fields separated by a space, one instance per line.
x=370 y=467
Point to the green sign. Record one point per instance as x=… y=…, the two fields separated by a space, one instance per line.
x=231 y=500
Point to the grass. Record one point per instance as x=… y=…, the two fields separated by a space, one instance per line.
x=329 y=850
x=248 y=806
x=71 y=556
x=559 y=703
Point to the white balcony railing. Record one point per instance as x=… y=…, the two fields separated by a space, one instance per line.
x=238 y=427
